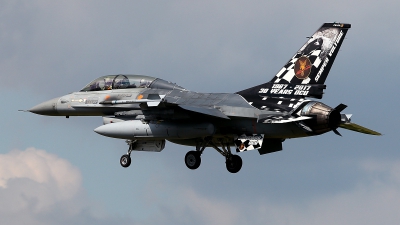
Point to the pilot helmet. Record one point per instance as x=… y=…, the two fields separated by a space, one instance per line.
x=143 y=83
x=107 y=83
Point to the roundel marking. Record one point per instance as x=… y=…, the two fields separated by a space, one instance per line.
x=302 y=68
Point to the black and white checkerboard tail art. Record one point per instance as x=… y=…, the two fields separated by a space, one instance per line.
x=313 y=61
x=305 y=73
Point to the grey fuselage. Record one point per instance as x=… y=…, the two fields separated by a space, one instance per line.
x=177 y=105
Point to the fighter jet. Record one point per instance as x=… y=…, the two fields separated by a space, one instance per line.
x=147 y=111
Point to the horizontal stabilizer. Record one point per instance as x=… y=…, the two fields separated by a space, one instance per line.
x=358 y=128
x=207 y=111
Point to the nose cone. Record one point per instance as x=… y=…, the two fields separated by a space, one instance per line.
x=48 y=108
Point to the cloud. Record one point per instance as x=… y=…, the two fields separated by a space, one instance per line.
x=374 y=200
x=194 y=208
x=37 y=187
x=56 y=178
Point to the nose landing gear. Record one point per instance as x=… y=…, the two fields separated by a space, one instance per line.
x=125 y=160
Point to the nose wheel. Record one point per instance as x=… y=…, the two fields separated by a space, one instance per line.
x=125 y=160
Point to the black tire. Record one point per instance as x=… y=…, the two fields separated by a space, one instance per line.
x=125 y=160
x=193 y=160
x=234 y=163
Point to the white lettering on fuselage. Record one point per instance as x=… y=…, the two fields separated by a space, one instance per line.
x=280 y=89
x=286 y=89
x=301 y=89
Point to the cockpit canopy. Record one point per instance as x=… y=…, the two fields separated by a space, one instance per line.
x=111 y=82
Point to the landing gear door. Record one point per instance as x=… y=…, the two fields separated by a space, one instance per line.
x=149 y=146
x=249 y=142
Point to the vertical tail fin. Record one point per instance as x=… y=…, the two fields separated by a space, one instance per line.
x=313 y=61
x=305 y=73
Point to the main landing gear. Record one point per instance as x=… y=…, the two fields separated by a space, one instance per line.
x=233 y=162
x=125 y=160
x=193 y=158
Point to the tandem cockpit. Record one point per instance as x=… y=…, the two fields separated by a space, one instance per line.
x=87 y=100
x=121 y=81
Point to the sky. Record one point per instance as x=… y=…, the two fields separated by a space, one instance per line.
x=55 y=170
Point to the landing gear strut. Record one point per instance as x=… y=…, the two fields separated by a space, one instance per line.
x=193 y=158
x=233 y=162
x=125 y=160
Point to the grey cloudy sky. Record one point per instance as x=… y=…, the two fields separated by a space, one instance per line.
x=58 y=171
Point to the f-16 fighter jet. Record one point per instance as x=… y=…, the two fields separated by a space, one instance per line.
x=147 y=111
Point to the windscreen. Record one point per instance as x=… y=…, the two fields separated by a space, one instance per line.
x=111 y=82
